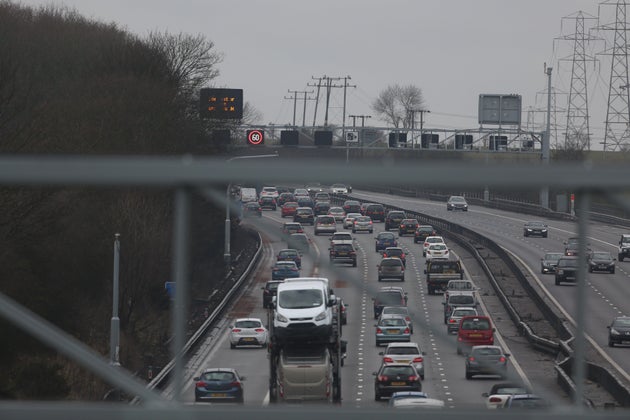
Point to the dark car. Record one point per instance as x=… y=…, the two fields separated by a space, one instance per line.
x=571 y=247
x=395 y=252
x=393 y=219
x=601 y=261
x=535 y=229
x=321 y=208
x=284 y=269
x=456 y=202
x=219 y=384
x=376 y=212
x=619 y=331
x=292 y=227
x=566 y=270
x=388 y=296
x=624 y=247
x=391 y=268
x=285 y=197
x=304 y=215
x=351 y=206
x=290 y=255
x=549 y=261
x=486 y=360
x=422 y=232
x=300 y=242
x=305 y=202
x=268 y=203
x=394 y=378
x=525 y=402
x=343 y=253
x=252 y=209
x=384 y=240
x=408 y=226
x=269 y=291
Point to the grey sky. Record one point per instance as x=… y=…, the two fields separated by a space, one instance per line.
x=453 y=50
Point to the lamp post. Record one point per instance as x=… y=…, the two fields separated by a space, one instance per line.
x=114 y=349
x=227 y=256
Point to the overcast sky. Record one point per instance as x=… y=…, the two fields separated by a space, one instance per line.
x=453 y=50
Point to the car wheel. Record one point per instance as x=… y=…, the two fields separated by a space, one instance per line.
x=525 y=235
x=468 y=375
x=620 y=257
x=377 y=397
x=545 y=235
x=378 y=343
x=612 y=271
x=459 y=349
x=590 y=269
x=557 y=282
x=611 y=343
x=354 y=263
x=232 y=346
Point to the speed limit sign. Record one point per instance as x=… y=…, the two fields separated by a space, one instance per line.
x=255 y=137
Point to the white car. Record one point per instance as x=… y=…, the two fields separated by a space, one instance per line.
x=348 y=222
x=337 y=213
x=341 y=237
x=339 y=189
x=270 y=192
x=437 y=251
x=500 y=392
x=300 y=192
x=248 y=332
x=431 y=240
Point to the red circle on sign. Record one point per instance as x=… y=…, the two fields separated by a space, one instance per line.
x=255 y=137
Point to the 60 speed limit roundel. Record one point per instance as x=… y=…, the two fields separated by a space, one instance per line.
x=255 y=137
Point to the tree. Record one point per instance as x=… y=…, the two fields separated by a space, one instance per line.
x=396 y=103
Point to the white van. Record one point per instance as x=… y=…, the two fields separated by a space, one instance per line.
x=248 y=194
x=305 y=374
x=303 y=310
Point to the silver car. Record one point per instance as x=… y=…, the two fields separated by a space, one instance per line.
x=405 y=353
x=348 y=222
x=392 y=328
x=452 y=324
x=362 y=224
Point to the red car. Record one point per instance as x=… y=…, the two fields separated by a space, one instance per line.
x=288 y=209
x=474 y=330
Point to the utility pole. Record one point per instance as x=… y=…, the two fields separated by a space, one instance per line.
x=114 y=345
x=413 y=115
x=304 y=112
x=544 y=193
x=363 y=118
x=345 y=86
x=329 y=84
x=319 y=85
x=295 y=98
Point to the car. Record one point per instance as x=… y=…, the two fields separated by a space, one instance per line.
x=456 y=202
x=391 y=328
x=388 y=296
x=322 y=196
x=252 y=209
x=391 y=268
x=304 y=215
x=305 y=202
x=290 y=255
x=393 y=219
x=395 y=252
x=566 y=270
x=395 y=378
x=300 y=242
x=362 y=224
x=413 y=400
x=288 y=209
x=474 y=330
x=219 y=384
x=535 y=228
x=408 y=226
x=452 y=323
x=337 y=213
x=619 y=331
x=549 y=261
x=269 y=291
x=525 y=402
x=401 y=353
x=284 y=269
x=269 y=192
x=399 y=310
x=422 y=232
x=431 y=240
x=486 y=360
x=285 y=197
x=300 y=192
x=624 y=247
x=248 y=332
x=500 y=392
x=325 y=224
x=321 y=208
x=348 y=221
x=571 y=247
x=601 y=261
x=437 y=251
x=376 y=212
x=314 y=187
x=267 y=202
x=455 y=299
x=351 y=206
x=344 y=253
x=384 y=240
x=339 y=189
x=341 y=237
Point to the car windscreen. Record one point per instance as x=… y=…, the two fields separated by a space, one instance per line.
x=480 y=324
x=217 y=376
x=463 y=313
x=601 y=256
x=247 y=324
x=383 y=236
x=444 y=267
x=567 y=263
x=402 y=350
x=300 y=299
x=487 y=351
x=391 y=263
x=461 y=300
x=389 y=298
x=622 y=322
x=393 y=322
x=397 y=370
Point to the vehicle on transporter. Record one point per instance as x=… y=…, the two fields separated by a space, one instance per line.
x=439 y=272
x=305 y=323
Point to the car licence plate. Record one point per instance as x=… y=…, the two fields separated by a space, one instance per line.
x=476 y=335
x=393 y=331
x=248 y=339
x=399 y=383
x=218 y=395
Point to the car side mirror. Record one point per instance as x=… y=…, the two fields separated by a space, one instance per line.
x=196 y=378
x=381 y=353
x=494 y=329
x=485 y=394
x=424 y=353
x=374 y=374
x=608 y=326
x=243 y=378
x=507 y=354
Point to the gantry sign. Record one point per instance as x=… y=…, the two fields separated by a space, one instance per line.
x=221 y=103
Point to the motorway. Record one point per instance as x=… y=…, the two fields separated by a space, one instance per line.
x=444 y=369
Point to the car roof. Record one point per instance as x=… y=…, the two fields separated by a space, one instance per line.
x=248 y=319
x=222 y=369
x=410 y=344
x=391 y=259
x=464 y=308
x=486 y=347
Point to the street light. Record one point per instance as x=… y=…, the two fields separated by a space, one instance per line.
x=114 y=349
x=227 y=256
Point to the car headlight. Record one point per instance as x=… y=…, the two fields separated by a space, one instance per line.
x=281 y=318
x=529 y=230
x=614 y=331
x=321 y=316
x=544 y=230
x=560 y=271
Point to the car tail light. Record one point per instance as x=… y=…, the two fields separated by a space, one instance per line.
x=236 y=384
x=413 y=378
x=382 y=378
x=418 y=360
x=448 y=308
x=259 y=330
x=472 y=359
x=406 y=331
x=494 y=400
x=388 y=360
x=402 y=226
x=408 y=318
x=502 y=359
x=200 y=384
x=452 y=321
x=353 y=253
x=379 y=331
x=236 y=330
x=403 y=255
x=426 y=244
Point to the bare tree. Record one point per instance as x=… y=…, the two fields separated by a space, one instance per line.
x=395 y=103
x=251 y=115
